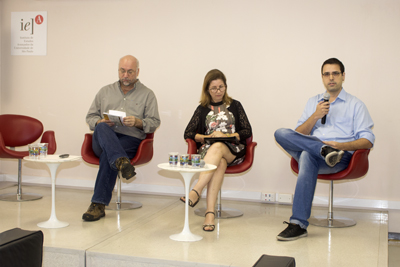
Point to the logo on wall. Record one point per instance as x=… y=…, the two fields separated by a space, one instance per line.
x=39 y=19
x=29 y=33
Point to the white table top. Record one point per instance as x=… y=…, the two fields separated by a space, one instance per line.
x=53 y=159
x=207 y=167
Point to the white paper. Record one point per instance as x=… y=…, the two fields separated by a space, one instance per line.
x=117 y=113
x=115 y=116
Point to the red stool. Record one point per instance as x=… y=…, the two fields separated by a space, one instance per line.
x=357 y=168
x=16 y=131
x=143 y=155
x=225 y=213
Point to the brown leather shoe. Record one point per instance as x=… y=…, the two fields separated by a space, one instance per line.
x=94 y=212
x=125 y=167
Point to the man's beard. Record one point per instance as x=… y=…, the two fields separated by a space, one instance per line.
x=127 y=82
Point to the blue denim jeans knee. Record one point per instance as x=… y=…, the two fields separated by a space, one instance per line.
x=307 y=152
x=109 y=146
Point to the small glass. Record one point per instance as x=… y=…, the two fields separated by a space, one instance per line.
x=43 y=147
x=173 y=159
x=196 y=161
x=184 y=160
x=33 y=151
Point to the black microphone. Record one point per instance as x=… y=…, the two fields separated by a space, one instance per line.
x=326 y=99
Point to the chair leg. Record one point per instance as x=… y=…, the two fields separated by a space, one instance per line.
x=220 y=213
x=329 y=221
x=119 y=205
x=19 y=197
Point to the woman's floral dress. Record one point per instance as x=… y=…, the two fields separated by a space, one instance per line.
x=221 y=119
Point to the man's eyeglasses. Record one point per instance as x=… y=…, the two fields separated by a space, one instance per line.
x=123 y=71
x=334 y=74
x=215 y=89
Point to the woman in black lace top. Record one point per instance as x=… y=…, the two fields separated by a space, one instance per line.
x=218 y=115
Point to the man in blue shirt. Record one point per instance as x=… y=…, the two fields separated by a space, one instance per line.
x=323 y=147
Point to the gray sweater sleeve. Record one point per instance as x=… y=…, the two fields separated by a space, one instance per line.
x=94 y=114
x=151 y=118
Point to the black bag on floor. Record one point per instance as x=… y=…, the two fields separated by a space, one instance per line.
x=275 y=261
x=21 y=248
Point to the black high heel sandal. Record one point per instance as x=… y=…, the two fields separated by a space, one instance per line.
x=212 y=226
x=191 y=204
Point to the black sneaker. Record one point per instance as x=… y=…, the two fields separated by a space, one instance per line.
x=125 y=167
x=332 y=156
x=292 y=232
x=94 y=212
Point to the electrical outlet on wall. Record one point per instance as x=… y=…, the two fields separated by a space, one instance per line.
x=268 y=197
x=285 y=198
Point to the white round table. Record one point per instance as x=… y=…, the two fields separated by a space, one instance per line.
x=53 y=161
x=187 y=174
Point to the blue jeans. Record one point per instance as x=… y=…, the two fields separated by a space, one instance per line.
x=307 y=152
x=109 y=146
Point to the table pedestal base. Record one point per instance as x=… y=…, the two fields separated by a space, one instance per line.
x=189 y=237
x=53 y=224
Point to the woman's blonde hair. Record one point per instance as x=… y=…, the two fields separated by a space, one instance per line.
x=213 y=75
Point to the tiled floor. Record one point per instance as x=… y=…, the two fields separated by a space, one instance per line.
x=141 y=237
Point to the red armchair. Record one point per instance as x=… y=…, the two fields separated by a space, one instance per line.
x=225 y=213
x=143 y=155
x=18 y=131
x=357 y=168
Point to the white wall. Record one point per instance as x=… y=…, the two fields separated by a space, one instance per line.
x=270 y=51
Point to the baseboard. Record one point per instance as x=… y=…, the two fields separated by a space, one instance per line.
x=226 y=194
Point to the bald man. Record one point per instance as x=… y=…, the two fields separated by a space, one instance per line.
x=114 y=144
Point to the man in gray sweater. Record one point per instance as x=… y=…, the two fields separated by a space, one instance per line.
x=115 y=144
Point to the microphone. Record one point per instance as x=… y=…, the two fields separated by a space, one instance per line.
x=326 y=99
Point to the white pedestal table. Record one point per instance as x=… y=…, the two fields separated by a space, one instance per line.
x=187 y=174
x=53 y=161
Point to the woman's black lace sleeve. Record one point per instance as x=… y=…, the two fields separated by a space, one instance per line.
x=193 y=126
x=245 y=127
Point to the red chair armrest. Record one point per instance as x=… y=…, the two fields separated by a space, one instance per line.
x=11 y=154
x=294 y=165
x=145 y=151
x=192 y=147
x=358 y=167
x=87 y=151
x=248 y=160
x=49 y=137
